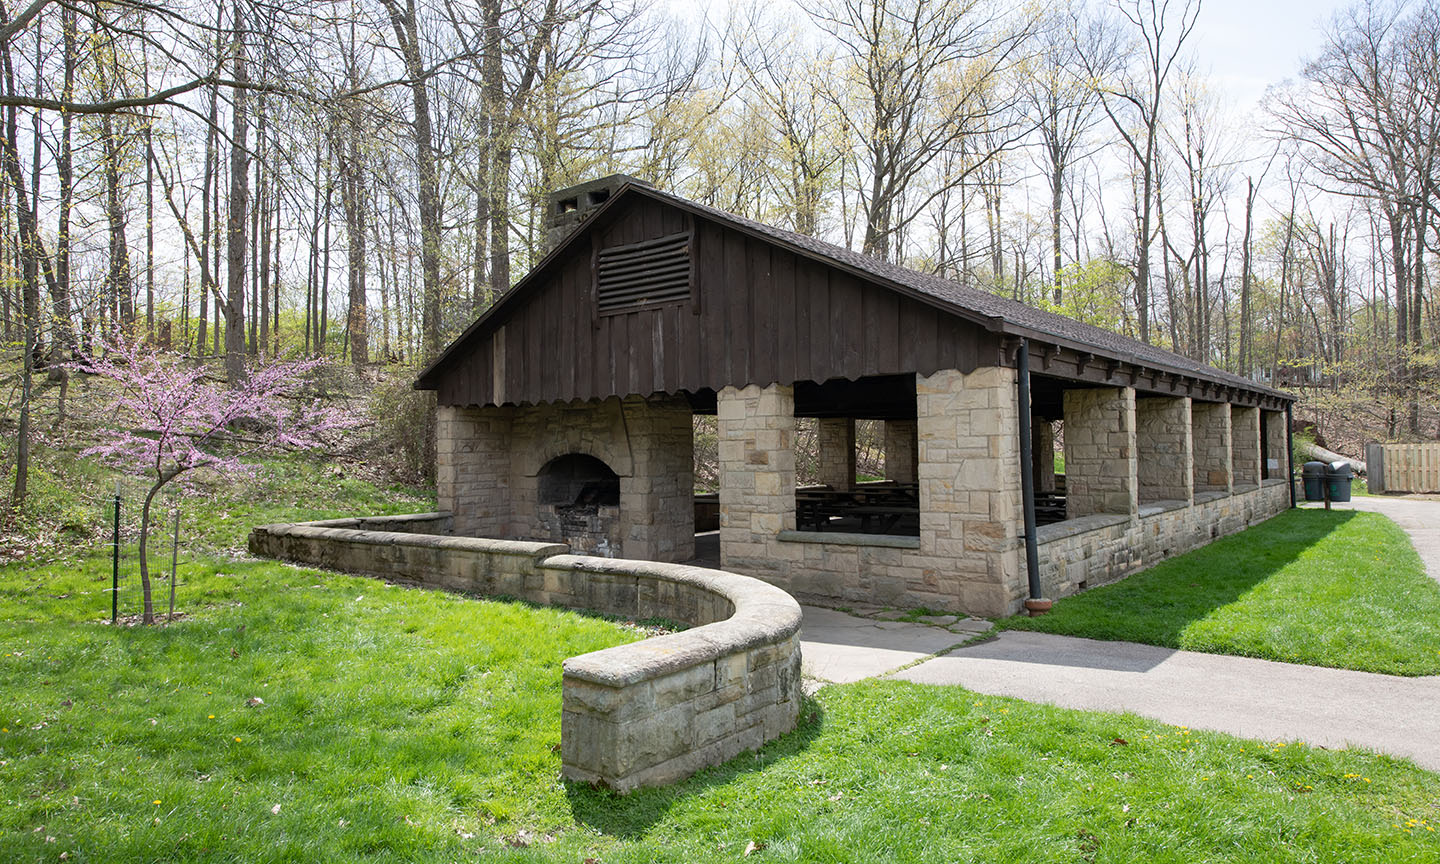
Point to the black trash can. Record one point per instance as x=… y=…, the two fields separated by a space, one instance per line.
x=1338 y=476
x=1314 y=475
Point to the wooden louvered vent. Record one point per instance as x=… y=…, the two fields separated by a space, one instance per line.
x=641 y=275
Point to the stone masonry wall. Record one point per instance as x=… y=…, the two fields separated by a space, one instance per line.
x=1100 y=463
x=643 y=714
x=1211 y=441
x=1245 y=441
x=472 y=468
x=488 y=462
x=1276 y=455
x=1097 y=550
x=835 y=449
x=967 y=556
x=1162 y=445
x=970 y=514
x=902 y=451
x=757 y=472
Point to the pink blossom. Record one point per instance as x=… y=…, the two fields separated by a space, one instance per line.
x=170 y=419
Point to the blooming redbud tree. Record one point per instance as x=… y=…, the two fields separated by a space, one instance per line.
x=170 y=420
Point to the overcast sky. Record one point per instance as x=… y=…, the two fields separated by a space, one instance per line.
x=1247 y=45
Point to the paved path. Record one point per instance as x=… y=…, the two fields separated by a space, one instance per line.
x=838 y=648
x=1238 y=695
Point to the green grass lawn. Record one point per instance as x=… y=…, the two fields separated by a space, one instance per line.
x=1339 y=588
x=298 y=715
x=406 y=725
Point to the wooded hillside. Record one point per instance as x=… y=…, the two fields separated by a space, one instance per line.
x=357 y=180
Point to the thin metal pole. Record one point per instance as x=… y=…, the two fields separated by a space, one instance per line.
x=174 y=555
x=115 y=567
x=1027 y=470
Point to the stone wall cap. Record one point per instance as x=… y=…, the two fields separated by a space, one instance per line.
x=1155 y=508
x=762 y=614
x=1080 y=525
x=328 y=530
x=847 y=538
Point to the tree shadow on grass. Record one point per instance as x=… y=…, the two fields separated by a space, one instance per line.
x=1157 y=605
x=631 y=816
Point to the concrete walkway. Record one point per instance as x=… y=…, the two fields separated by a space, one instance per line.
x=1239 y=695
x=838 y=648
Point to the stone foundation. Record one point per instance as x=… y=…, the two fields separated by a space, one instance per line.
x=643 y=714
x=1082 y=553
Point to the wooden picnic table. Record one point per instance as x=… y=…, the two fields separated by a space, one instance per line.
x=886 y=504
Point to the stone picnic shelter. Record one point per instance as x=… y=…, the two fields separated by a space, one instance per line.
x=566 y=413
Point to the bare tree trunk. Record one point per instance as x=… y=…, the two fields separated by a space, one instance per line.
x=235 y=220
x=406 y=34
x=384 y=285
x=275 y=275
x=29 y=252
x=492 y=82
x=312 y=274
x=149 y=207
x=262 y=234
x=324 y=309
x=206 y=233
x=64 y=338
x=352 y=192
x=1244 y=350
x=257 y=228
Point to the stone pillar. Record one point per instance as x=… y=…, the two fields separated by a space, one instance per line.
x=835 y=451
x=1163 y=449
x=1042 y=453
x=757 y=472
x=902 y=451
x=1245 y=444
x=968 y=429
x=1100 y=464
x=1210 y=422
x=1276 y=463
x=657 y=500
x=472 y=468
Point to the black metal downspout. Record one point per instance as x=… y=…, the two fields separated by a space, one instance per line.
x=1290 y=455
x=1027 y=480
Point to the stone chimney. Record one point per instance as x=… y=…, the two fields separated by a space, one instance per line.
x=566 y=208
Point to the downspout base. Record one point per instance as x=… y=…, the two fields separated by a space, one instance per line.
x=1038 y=606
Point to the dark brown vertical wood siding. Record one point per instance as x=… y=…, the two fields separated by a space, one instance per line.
x=765 y=315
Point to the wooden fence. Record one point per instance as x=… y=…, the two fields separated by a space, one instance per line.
x=1404 y=467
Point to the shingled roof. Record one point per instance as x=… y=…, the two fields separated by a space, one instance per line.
x=996 y=313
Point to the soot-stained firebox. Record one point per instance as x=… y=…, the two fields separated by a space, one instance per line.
x=579 y=504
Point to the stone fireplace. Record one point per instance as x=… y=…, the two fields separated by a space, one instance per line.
x=578 y=502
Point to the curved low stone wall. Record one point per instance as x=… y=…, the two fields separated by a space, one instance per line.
x=643 y=714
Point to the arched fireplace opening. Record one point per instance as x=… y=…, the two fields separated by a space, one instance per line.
x=578 y=502
x=576 y=479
